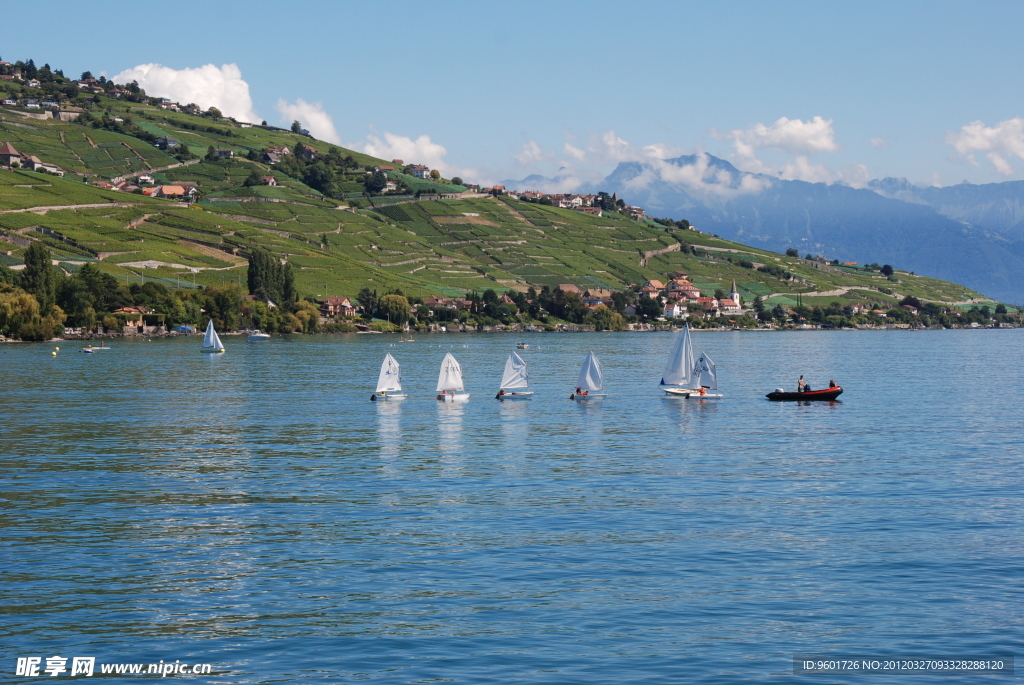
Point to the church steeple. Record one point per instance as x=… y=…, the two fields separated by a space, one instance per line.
x=734 y=294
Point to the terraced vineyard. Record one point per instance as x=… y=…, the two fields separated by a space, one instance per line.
x=444 y=247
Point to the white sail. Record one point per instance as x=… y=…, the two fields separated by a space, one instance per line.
x=679 y=369
x=390 y=379
x=212 y=343
x=704 y=373
x=516 y=374
x=451 y=375
x=591 y=378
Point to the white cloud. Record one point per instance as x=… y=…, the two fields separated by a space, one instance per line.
x=422 y=150
x=1005 y=139
x=531 y=154
x=701 y=177
x=207 y=86
x=312 y=117
x=796 y=137
x=879 y=143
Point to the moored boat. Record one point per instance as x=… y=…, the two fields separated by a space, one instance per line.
x=780 y=395
x=257 y=336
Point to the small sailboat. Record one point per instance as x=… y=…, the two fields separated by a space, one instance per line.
x=257 y=336
x=677 y=378
x=591 y=380
x=515 y=380
x=389 y=383
x=211 y=341
x=449 y=381
x=683 y=377
x=705 y=377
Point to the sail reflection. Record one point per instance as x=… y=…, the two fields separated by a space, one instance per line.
x=389 y=433
x=449 y=429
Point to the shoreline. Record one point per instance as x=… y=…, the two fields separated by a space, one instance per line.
x=658 y=329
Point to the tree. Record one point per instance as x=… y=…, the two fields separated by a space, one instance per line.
x=39 y=277
x=296 y=127
x=719 y=294
x=1000 y=309
x=254 y=179
x=619 y=301
x=604 y=319
x=211 y=153
x=456 y=181
x=289 y=293
x=435 y=174
x=758 y=304
x=86 y=75
x=376 y=182
x=394 y=308
x=649 y=308
x=367 y=299
x=265 y=278
x=887 y=270
x=792 y=252
x=214 y=113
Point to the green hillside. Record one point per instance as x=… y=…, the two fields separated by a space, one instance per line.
x=339 y=239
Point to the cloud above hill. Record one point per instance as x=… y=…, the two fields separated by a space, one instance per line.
x=796 y=137
x=1005 y=139
x=311 y=116
x=421 y=150
x=208 y=86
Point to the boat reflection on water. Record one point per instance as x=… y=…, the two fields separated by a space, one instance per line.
x=389 y=432
x=449 y=430
x=693 y=410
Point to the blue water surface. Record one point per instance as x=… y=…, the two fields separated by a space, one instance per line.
x=255 y=511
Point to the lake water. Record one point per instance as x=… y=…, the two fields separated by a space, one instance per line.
x=255 y=511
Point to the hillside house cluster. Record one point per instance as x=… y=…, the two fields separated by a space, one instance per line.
x=681 y=298
x=177 y=191
x=9 y=157
x=581 y=203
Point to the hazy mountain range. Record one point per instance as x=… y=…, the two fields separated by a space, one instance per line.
x=970 y=234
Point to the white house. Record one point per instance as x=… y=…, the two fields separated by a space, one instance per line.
x=420 y=171
x=674 y=311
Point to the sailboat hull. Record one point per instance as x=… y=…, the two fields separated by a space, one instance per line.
x=514 y=396
x=689 y=392
x=212 y=351
x=380 y=396
x=827 y=394
x=458 y=397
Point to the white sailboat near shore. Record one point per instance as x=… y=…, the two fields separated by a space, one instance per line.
x=515 y=380
x=389 y=383
x=591 y=380
x=211 y=341
x=449 y=381
x=684 y=377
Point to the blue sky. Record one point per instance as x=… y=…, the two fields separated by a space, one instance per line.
x=493 y=91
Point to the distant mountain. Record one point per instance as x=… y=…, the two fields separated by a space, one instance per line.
x=970 y=234
x=992 y=206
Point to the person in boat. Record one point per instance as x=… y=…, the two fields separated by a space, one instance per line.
x=800 y=384
x=373 y=397
x=832 y=384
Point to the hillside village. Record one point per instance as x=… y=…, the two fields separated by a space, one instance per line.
x=161 y=195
